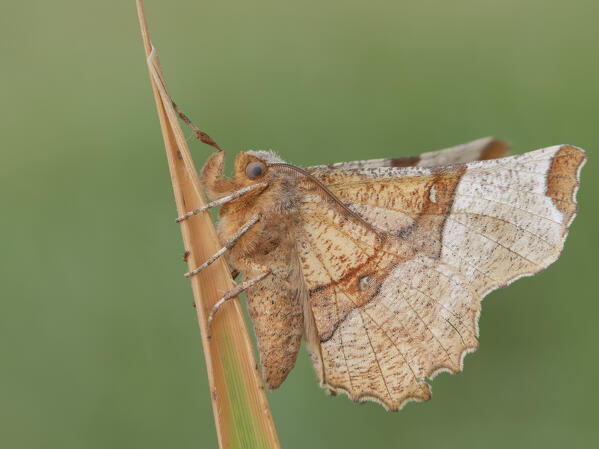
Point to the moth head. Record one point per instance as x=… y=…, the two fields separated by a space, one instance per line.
x=254 y=166
x=251 y=167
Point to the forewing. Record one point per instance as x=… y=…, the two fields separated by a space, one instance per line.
x=477 y=150
x=397 y=300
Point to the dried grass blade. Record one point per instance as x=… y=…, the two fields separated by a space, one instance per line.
x=241 y=412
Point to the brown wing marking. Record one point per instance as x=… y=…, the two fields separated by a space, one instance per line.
x=336 y=295
x=346 y=367
x=418 y=314
x=350 y=251
x=417 y=335
x=477 y=150
x=504 y=204
x=560 y=182
x=339 y=239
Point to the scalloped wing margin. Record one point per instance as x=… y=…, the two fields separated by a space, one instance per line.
x=389 y=313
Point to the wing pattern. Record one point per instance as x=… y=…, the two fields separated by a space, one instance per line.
x=477 y=150
x=397 y=300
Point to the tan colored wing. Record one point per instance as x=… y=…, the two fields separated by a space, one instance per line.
x=397 y=300
x=275 y=305
x=477 y=150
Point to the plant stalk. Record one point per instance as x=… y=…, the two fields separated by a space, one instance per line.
x=241 y=413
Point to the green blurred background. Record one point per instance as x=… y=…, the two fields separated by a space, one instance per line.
x=99 y=343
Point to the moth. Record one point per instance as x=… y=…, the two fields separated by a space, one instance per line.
x=381 y=265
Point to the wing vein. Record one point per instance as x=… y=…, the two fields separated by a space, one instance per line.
x=413 y=310
x=378 y=364
x=359 y=244
x=509 y=205
x=325 y=268
x=502 y=186
x=425 y=325
x=496 y=242
x=405 y=360
x=465 y=212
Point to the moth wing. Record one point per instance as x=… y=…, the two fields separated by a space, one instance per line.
x=275 y=305
x=477 y=150
x=395 y=287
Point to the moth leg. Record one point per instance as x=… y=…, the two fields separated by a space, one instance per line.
x=232 y=294
x=200 y=135
x=223 y=200
x=245 y=228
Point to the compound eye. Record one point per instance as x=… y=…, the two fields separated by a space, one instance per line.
x=254 y=170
